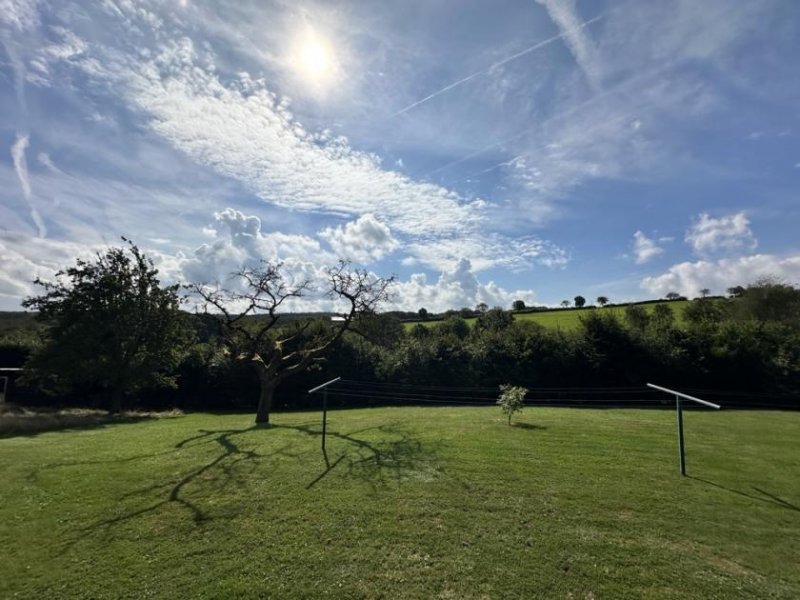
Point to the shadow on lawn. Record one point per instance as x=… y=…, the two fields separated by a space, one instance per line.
x=397 y=456
x=226 y=467
x=530 y=426
x=763 y=496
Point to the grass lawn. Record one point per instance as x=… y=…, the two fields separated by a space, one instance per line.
x=569 y=319
x=415 y=503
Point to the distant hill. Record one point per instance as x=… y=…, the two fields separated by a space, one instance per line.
x=569 y=318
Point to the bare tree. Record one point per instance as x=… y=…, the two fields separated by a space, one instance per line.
x=274 y=354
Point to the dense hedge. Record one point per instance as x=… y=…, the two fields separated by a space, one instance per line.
x=724 y=345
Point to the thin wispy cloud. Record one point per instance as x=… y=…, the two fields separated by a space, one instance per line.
x=18 y=150
x=566 y=32
x=565 y=16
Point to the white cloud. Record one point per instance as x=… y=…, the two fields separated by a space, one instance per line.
x=688 y=278
x=486 y=251
x=455 y=288
x=19 y=14
x=644 y=248
x=565 y=16
x=239 y=241
x=45 y=160
x=245 y=131
x=24 y=258
x=646 y=55
x=21 y=164
x=18 y=150
x=364 y=240
x=730 y=232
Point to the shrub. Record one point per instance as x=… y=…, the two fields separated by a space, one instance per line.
x=511 y=399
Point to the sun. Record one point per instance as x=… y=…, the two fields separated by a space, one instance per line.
x=313 y=59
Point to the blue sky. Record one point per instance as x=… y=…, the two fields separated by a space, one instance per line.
x=480 y=151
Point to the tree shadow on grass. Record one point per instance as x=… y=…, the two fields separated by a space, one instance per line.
x=760 y=495
x=230 y=466
x=396 y=456
x=529 y=426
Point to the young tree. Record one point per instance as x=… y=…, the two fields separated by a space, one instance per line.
x=109 y=323
x=495 y=319
x=662 y=317
x=276 y=354
x=637 y=317
x=511 y=399
x=579 y=301
x=518 y=305
x=602 y=300
x=736 y=291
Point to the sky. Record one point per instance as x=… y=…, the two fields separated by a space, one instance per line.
x=478 y=151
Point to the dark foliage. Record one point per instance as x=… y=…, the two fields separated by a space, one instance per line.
x=749 y=343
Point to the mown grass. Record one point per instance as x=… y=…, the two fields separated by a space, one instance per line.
x=570 y=319
x=413 y=503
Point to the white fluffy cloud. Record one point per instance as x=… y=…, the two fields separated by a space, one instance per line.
x=688 y=278
x=454 y=289
x=645 y=248
x=730 y=232
x=237 y=240
x=364 y=240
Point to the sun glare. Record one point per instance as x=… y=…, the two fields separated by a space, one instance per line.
x=313 y=59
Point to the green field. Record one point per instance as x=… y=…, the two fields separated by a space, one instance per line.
x=416 y=503
x=569 y=319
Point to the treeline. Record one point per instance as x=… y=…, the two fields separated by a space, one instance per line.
x=749 y=343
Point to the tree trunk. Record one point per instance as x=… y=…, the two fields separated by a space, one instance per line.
x=116 y=401
x=267 y=388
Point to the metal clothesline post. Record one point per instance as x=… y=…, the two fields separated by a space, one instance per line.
x=324 y=388
x=679 y=397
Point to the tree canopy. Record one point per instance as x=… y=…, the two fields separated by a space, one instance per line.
x=108 y=324
x=249 y=315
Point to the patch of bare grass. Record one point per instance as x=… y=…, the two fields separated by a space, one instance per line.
x=18 y=420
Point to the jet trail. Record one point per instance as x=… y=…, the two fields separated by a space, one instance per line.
x=495 y=65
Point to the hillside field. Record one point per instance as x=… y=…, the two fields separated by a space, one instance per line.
x=414 y=503
x=569 y=318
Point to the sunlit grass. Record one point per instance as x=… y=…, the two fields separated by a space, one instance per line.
x=412 y=503
x=570 y=319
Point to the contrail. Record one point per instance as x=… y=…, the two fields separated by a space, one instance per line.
x=561 y=115
x=21 y=167
x=497 y=64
